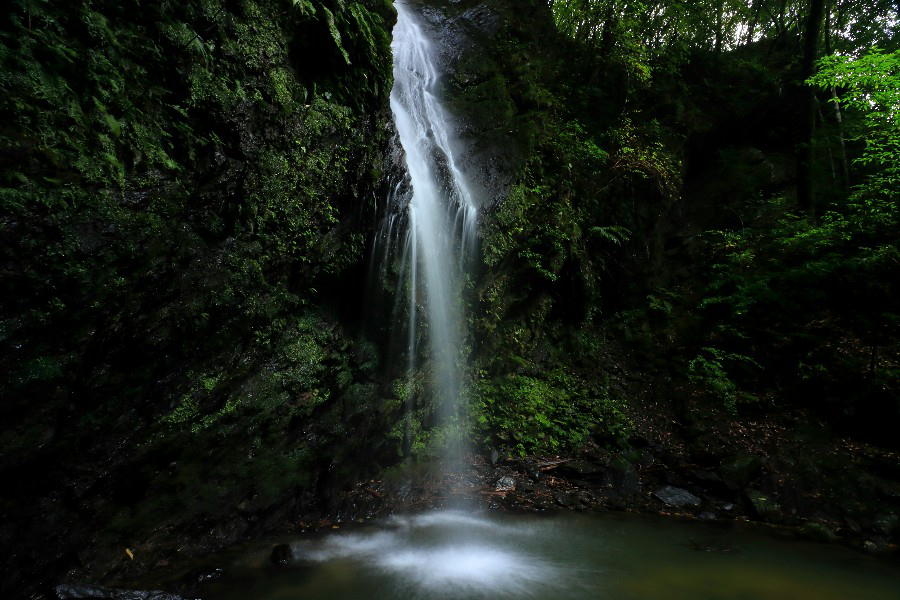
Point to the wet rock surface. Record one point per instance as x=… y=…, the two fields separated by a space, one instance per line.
x=677 y=497
x=493 y=116
x=505 y=484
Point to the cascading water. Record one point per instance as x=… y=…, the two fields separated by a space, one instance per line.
x=439 y=210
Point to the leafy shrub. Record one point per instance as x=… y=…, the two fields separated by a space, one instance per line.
x=709 y=370
x=529 y=414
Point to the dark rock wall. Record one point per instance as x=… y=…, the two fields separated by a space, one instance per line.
x=186 y=191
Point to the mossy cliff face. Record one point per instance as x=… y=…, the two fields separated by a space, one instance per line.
x=646 y=285
x=489 y=54
x=182 y=220
x=552 y=219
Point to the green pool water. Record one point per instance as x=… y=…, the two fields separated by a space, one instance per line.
x=458 y=555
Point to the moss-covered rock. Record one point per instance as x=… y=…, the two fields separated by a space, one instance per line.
x=181 y=196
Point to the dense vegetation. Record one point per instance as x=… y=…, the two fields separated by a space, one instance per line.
x=696 y=260
x=690 y=250
x=665 y=212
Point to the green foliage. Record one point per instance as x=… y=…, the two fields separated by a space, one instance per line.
x=304 y=358
x=554 y=413
x=187 y=410
x=871 y=85
x=804 y=301
x=335 y=34
x=784 y=292
x=543 y=241
x=648 y=29
x=709 y=371
x=787 y=286
x=409 y=434
x=828 y=278
x=641 y=152
x=242 y=426
x=549 y=219
x=615 y=234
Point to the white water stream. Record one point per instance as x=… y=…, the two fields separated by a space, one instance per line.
x=441 y=213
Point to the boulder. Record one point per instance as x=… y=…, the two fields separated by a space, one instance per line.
x=677 y=497
x=505 y=484
x=624 y=478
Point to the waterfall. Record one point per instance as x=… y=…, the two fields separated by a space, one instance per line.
x=430 y=226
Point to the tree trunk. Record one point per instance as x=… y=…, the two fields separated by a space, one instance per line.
x=719 y=26
x=834 y=177
x=751 y=28
x=779 y=19
x=610 y=22
x=838 y=117
x=805 y=191
x=845 y=168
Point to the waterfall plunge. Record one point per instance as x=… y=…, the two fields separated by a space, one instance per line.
x=440 y=217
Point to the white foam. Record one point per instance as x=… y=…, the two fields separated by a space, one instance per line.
x=440 y=552
x=347 y=546
x=475 y=567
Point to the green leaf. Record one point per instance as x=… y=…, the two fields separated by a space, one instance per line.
x=335 y=34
